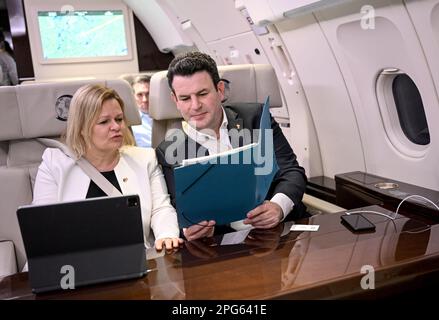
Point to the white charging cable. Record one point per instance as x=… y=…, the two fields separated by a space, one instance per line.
x=371 y=211
x=397 y=209
x=418 y=196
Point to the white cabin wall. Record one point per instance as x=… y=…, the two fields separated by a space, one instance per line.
x=338 y=64
x=329 y=102
x=301 y=131
x=425 y=18
x=361 y=55
x=98 y=69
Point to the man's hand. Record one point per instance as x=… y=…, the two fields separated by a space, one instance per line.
x=202 y=229
x=265 y=216
x=168 y=243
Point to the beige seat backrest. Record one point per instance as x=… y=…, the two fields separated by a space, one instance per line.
x=15 y=188
x=30 y=112
x=247 y=83
x=129 y=77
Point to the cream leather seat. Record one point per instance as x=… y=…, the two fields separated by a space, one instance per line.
x=129 y=77
x=30 y=112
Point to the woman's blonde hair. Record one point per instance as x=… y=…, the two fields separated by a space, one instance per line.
x=84 y=110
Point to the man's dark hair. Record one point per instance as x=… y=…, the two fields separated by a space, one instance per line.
x=141 y=79
x=187 y=64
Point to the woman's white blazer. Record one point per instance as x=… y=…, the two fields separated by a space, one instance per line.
x=59 y=178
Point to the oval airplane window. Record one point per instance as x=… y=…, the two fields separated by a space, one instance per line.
x=410 y=110
x=402 y=112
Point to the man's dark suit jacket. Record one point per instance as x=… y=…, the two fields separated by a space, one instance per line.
x=289 y=180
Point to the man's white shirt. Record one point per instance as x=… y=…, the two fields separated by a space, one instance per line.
x=143 y=132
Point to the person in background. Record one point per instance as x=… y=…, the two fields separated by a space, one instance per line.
x=8 y=74
x=97 y=132
x=198 y=92
x=142 y=133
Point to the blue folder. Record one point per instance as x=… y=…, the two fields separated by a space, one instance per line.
x=229 y=185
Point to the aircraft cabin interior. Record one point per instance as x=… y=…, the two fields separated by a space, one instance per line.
x=353 y=85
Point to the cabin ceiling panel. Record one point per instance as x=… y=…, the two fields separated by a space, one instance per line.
x=162 y=25
x=212 y=18
x=240 y=49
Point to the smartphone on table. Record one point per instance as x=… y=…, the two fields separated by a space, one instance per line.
x=357 y=223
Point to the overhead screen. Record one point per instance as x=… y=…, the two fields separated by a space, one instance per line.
x=86 y=35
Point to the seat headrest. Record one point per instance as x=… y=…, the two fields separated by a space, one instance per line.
x=34 y=110
x=129 y=77
x=248 y=83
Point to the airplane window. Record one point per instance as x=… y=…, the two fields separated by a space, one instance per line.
x=410 y=110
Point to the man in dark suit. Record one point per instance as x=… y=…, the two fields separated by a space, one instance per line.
x=198 y=93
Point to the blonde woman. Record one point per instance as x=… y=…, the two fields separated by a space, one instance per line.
x=97 y=131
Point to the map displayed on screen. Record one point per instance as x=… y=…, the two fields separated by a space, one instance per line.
x=82 y=34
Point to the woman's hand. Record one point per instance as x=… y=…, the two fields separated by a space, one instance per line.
x=168 y=243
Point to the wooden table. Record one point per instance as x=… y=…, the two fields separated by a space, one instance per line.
x=277 y=264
